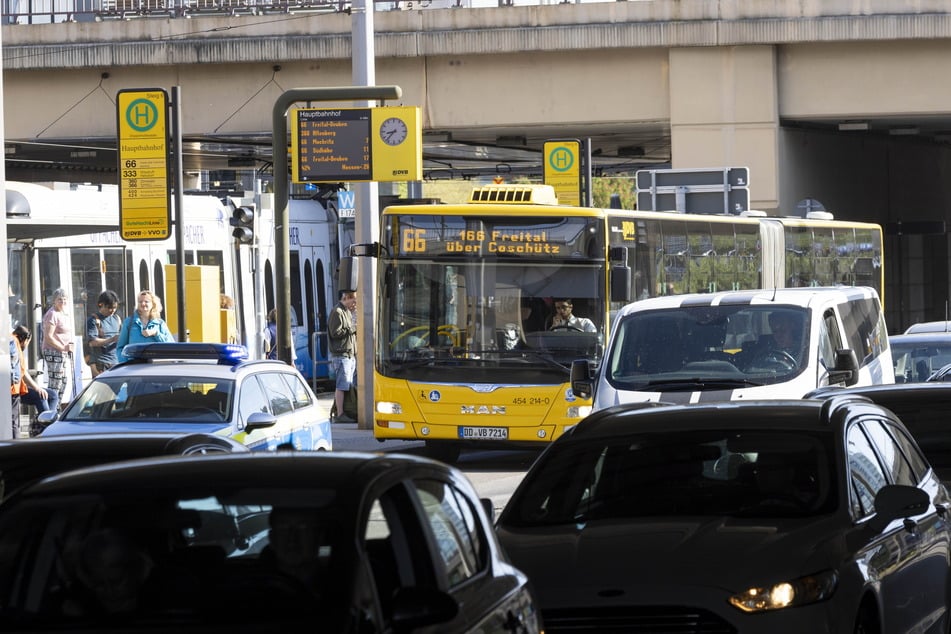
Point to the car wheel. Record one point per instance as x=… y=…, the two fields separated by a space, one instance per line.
x=867 y=621
x=443 y=451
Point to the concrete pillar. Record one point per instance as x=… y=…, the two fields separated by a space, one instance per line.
x=724 y=113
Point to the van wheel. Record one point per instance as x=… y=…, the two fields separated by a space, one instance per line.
x=443 y=451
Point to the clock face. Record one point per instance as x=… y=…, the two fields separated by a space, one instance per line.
x=393 y=131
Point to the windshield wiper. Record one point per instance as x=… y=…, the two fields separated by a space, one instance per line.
x=698 y=384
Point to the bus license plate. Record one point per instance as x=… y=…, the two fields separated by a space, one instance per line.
x=484 y=433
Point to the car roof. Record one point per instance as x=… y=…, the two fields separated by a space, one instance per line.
x=192 y=368
x=889 y=392
x=802 y=415
x=929 y=326
x=803 y=297
x=921 y=338
x=339 y=471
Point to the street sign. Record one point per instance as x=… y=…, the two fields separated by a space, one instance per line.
x=356 y=144
x=346 y=204
x=699 y=191
x=562 y=169
x=144 y=193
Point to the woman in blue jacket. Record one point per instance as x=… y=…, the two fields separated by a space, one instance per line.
x=145 y=325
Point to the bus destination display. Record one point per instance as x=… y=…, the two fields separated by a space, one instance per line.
x=421 y=235
x=332 y=145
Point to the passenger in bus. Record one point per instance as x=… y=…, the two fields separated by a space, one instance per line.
x=145 y=325
x=565 y=320
x=58 y=344
x=102 y=333
x=31 y=392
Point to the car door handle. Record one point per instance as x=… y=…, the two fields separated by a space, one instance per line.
x=941 y=508
x=910 y=525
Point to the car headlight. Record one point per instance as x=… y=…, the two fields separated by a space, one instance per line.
x=787 y=594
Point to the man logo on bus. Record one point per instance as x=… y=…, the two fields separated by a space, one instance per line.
x=434 y=396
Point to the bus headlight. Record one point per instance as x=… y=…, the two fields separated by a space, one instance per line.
x=578 y=411
x=385 y=407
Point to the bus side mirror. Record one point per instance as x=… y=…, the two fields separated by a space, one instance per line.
x=582 y=381
x=621 y=283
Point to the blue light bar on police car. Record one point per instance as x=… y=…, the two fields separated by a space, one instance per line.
x=224 y=353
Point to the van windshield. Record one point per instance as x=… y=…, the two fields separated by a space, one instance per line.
x=708 y=347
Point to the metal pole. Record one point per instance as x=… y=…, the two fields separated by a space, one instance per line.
x=367 y=227
x=178 y=179
x=282 y=257
x=6 y=413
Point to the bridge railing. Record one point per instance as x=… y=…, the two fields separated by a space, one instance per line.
x=56 y=11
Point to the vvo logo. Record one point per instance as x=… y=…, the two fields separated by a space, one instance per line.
x=346 y=207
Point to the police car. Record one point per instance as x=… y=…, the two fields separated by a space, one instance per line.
x=199 y=387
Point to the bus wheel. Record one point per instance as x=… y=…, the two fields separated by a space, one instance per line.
x=443 y=451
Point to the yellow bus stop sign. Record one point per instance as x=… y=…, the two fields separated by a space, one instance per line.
x=562 y=170
x=144 y=199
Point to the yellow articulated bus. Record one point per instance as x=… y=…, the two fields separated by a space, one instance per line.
x=466 y=346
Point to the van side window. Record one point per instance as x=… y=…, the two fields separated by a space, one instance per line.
x=864 y=322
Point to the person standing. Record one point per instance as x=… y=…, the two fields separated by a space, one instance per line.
x=58 y=344
x=343 y=347
x=270 y=335
x=145 y=325
x=16 y=385
x=102 y=333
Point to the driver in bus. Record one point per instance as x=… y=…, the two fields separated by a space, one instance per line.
x=564 y=320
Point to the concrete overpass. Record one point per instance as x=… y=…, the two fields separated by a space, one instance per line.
x=840 y=101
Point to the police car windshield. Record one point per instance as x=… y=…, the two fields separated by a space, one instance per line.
x=160 y=398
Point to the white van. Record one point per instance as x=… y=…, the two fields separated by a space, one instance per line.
x=729 y=346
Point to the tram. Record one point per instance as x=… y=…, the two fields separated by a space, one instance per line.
x=68 y=238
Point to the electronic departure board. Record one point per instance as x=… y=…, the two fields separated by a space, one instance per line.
x=356 y=144
x=333 y=145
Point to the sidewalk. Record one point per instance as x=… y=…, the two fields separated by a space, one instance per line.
x=346 y=436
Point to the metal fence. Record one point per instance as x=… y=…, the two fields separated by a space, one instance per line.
x=56 y=11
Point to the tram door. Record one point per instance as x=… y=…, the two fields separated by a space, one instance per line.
x=309 y=310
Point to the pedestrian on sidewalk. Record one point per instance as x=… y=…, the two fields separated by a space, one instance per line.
x=58 y=344
x=343 y=348
x=102 y=333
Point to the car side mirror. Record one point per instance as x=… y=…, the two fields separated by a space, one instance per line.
x=417 y=607
x=259 y=420
x=895 y=501
x=846 y=368
x=582 y=381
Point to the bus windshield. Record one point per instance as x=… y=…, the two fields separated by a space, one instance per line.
x=491 y=318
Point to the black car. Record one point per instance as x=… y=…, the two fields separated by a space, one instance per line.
x=924 y=408
x=290 y=541
x=765 y=517
x=26 y=461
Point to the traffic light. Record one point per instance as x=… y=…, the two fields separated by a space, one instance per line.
x=242 y=219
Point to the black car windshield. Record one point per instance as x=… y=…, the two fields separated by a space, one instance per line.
x=742 y=474
x=742 y=345
x=173 y=398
